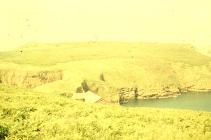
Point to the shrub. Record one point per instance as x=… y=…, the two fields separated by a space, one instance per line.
x=102 y=77
x=4 y=132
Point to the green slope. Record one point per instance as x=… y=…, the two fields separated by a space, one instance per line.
x=153 y=68
x=156 y=69
x=50 y=54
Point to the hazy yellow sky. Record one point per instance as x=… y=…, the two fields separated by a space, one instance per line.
x=118 y=20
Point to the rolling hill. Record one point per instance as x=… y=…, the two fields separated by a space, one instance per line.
x=156 y=69
x=38 y=79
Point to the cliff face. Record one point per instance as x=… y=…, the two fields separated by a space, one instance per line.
x=109 y=94
x=112 y=89
x=28 y=79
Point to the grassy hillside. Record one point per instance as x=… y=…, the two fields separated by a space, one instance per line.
x=153 y=68
x=42 y=78
x=156 y=69
x=30 y=115
x=51 y=54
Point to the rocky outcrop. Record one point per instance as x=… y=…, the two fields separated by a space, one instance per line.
x=122 y=95
x=159 y=96
x=126 y=94
x=108 y=93
x=115 y=90
x=111 y=94
x=28 y=79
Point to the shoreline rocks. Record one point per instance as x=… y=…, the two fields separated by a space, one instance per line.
x=163 y=94
x=147 y=97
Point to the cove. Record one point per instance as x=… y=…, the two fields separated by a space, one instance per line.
x=191 y=100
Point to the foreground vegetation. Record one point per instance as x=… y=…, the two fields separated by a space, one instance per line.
x=30 y=115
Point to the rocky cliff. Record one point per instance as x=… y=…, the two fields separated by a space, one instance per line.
x=28 y=79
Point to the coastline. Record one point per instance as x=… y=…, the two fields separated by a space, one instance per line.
x=172 y=95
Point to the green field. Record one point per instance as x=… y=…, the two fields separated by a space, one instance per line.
x=38 y=79
x=43 y=54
